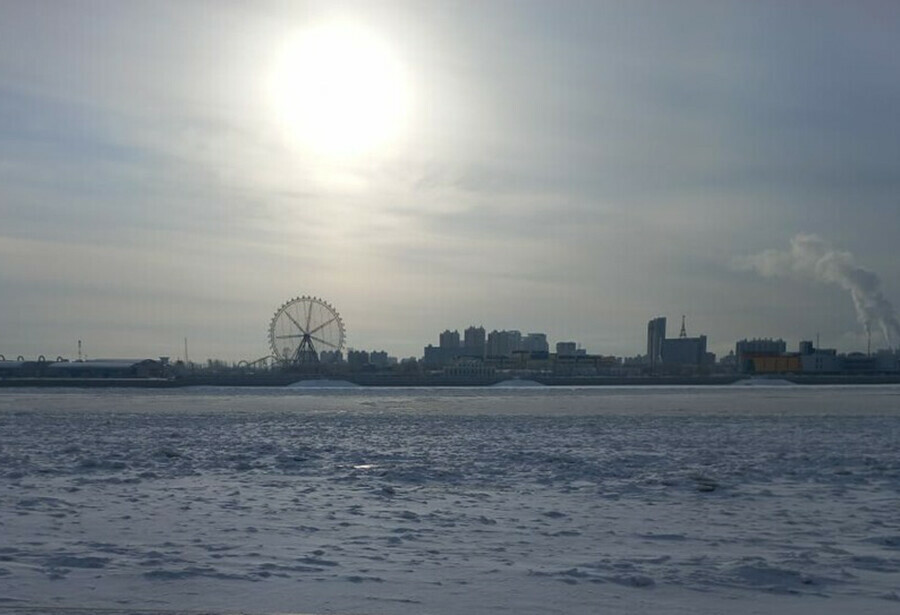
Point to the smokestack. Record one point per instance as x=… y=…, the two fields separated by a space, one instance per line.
x=813 y=258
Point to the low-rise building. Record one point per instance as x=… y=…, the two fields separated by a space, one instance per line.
x=105 y=368
x=820 y=361
x=684 y=351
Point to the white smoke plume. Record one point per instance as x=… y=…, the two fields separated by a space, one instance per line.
x=812 y=257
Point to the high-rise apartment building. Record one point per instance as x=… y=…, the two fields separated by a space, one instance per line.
x=473 y=342
x=535 y=342
x=656 y=336
x=501 y=344
x=449 y=339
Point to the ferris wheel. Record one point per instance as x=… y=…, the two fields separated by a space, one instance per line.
x=302 y=328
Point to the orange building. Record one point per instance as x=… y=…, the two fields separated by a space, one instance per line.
x=772 y=363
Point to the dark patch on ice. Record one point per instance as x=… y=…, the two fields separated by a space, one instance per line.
x=662 y=559
x=268 y=569
x=633 y=580
x=421 y=475
x=891 y=542
x=574 y=572
x=562 y=533
x=663 y=536
x=878 y=564
x=761 y=575
x=570 y=576
x=363 y=579
x=316 y=561
x=390 y=599
x=71 y=561
x=166 y=453
x=92 y=463
x=43 y=503
x=162 y=574
x=705 y=484
x=216 y=548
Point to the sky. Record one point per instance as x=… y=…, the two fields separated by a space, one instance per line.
x=174 y=170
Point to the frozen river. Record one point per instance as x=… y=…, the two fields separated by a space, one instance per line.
x=410 y=501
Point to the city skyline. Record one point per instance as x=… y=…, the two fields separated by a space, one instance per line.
x=170 y=170
x=479 y=343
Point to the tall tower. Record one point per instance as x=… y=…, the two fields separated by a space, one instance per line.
x=683 y=330
x=656 y=334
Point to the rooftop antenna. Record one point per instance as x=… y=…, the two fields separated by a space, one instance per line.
x=683 y=331
x=186 y=361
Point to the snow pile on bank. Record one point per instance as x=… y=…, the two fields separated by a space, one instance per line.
x=763 y=382
x=517 y=382
x=323 y=383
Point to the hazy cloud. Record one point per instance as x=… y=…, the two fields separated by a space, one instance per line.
x=575 y=168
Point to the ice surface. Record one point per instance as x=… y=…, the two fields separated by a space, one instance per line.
x=361 y=501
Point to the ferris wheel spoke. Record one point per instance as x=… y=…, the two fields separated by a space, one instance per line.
x=321 y=341
x=323 y=325
x=309 y=307
x=281 y=337
x=293 y=320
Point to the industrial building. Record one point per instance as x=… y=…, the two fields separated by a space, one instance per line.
x=750 y=352
x=768 y=356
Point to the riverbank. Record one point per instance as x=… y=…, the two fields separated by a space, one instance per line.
x=437 y=381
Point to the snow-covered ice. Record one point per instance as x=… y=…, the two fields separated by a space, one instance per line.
x=400 y=501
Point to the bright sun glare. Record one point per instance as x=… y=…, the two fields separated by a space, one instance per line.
x=340 y=90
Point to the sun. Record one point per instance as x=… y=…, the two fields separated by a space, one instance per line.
x=339 y=89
